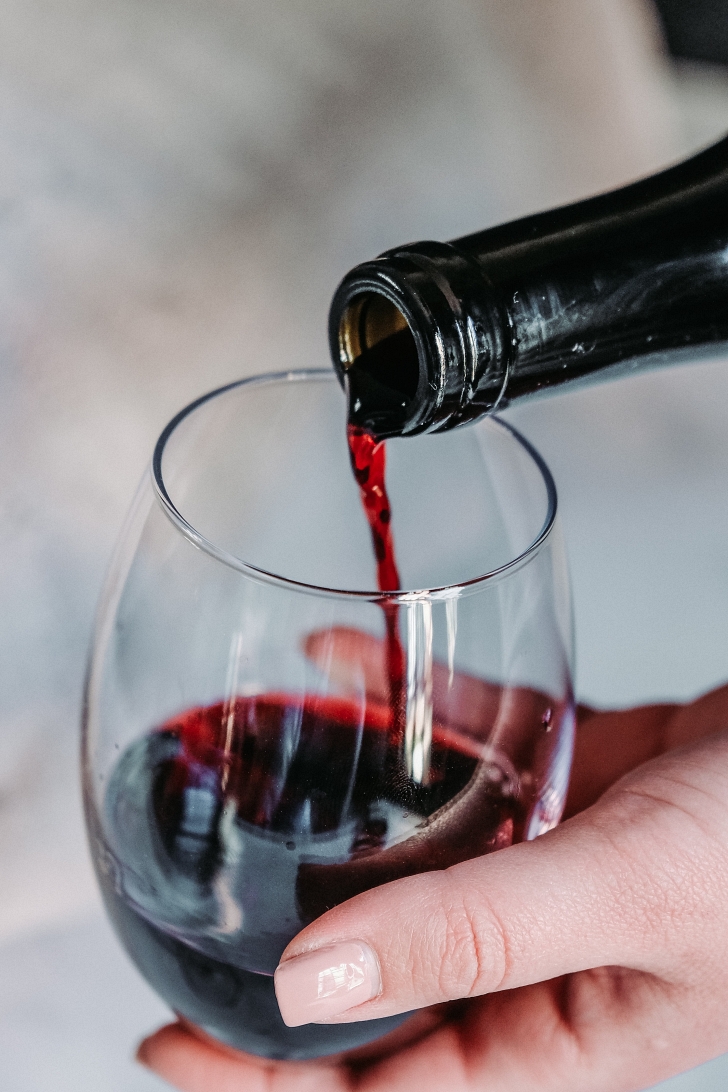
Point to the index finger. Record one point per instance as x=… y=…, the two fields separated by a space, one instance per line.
x=351 y=657
x=610 y=744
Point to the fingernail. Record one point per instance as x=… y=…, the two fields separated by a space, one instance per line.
x=318 y=985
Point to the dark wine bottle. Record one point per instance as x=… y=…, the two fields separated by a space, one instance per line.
x=431 y=335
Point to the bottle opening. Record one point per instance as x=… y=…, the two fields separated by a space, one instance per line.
x=379 y=356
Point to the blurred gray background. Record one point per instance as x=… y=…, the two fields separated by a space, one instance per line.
x=181 y=186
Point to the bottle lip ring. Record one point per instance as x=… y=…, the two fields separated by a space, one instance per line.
x=452 y=591
x=459 y=324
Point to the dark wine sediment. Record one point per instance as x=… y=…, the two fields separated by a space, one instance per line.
x=231 y=827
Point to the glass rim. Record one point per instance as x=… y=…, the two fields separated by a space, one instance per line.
x=254 y=572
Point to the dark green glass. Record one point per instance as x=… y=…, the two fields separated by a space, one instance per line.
x=431 y=335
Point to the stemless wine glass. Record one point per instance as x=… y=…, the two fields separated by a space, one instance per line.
x=243 y=768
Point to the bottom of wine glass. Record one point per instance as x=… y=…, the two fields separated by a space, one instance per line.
x=234 y=1006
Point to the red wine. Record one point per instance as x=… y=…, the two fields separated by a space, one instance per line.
x=230 y=827
x=368 y=461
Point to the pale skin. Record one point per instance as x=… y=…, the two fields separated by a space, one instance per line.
x=593 y=959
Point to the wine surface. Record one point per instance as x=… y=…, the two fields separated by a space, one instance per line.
x=232 y=826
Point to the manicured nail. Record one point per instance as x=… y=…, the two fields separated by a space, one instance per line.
x=312 y=988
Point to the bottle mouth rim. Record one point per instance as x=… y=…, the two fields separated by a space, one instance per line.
x=254 y=572
x=459 y=328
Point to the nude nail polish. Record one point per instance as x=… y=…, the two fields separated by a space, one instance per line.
x=312 y=988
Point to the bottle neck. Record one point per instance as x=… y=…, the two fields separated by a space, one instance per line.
x=432 y=335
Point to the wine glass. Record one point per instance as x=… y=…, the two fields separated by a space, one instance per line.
x=243 y=767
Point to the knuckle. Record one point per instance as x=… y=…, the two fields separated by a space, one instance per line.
x=472 y=957
x=668 y=869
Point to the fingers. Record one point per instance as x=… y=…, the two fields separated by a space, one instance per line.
x=468 y=712
x=527 y=913
x=698 y=719
x=627 y=883
x=351 y=658
x=609 y=745
x=193 y=1065
x=187 y=1063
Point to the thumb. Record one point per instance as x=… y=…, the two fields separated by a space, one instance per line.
x=568 y=901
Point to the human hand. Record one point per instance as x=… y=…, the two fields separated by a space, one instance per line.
x=594 y=958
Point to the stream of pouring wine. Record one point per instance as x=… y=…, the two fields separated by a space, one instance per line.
x=368 y=461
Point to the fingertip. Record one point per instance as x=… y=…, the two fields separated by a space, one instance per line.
x=349 y=656
x=191 y=1062
x=141 y=1055
x=178 y=1057
x=157 y=1044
